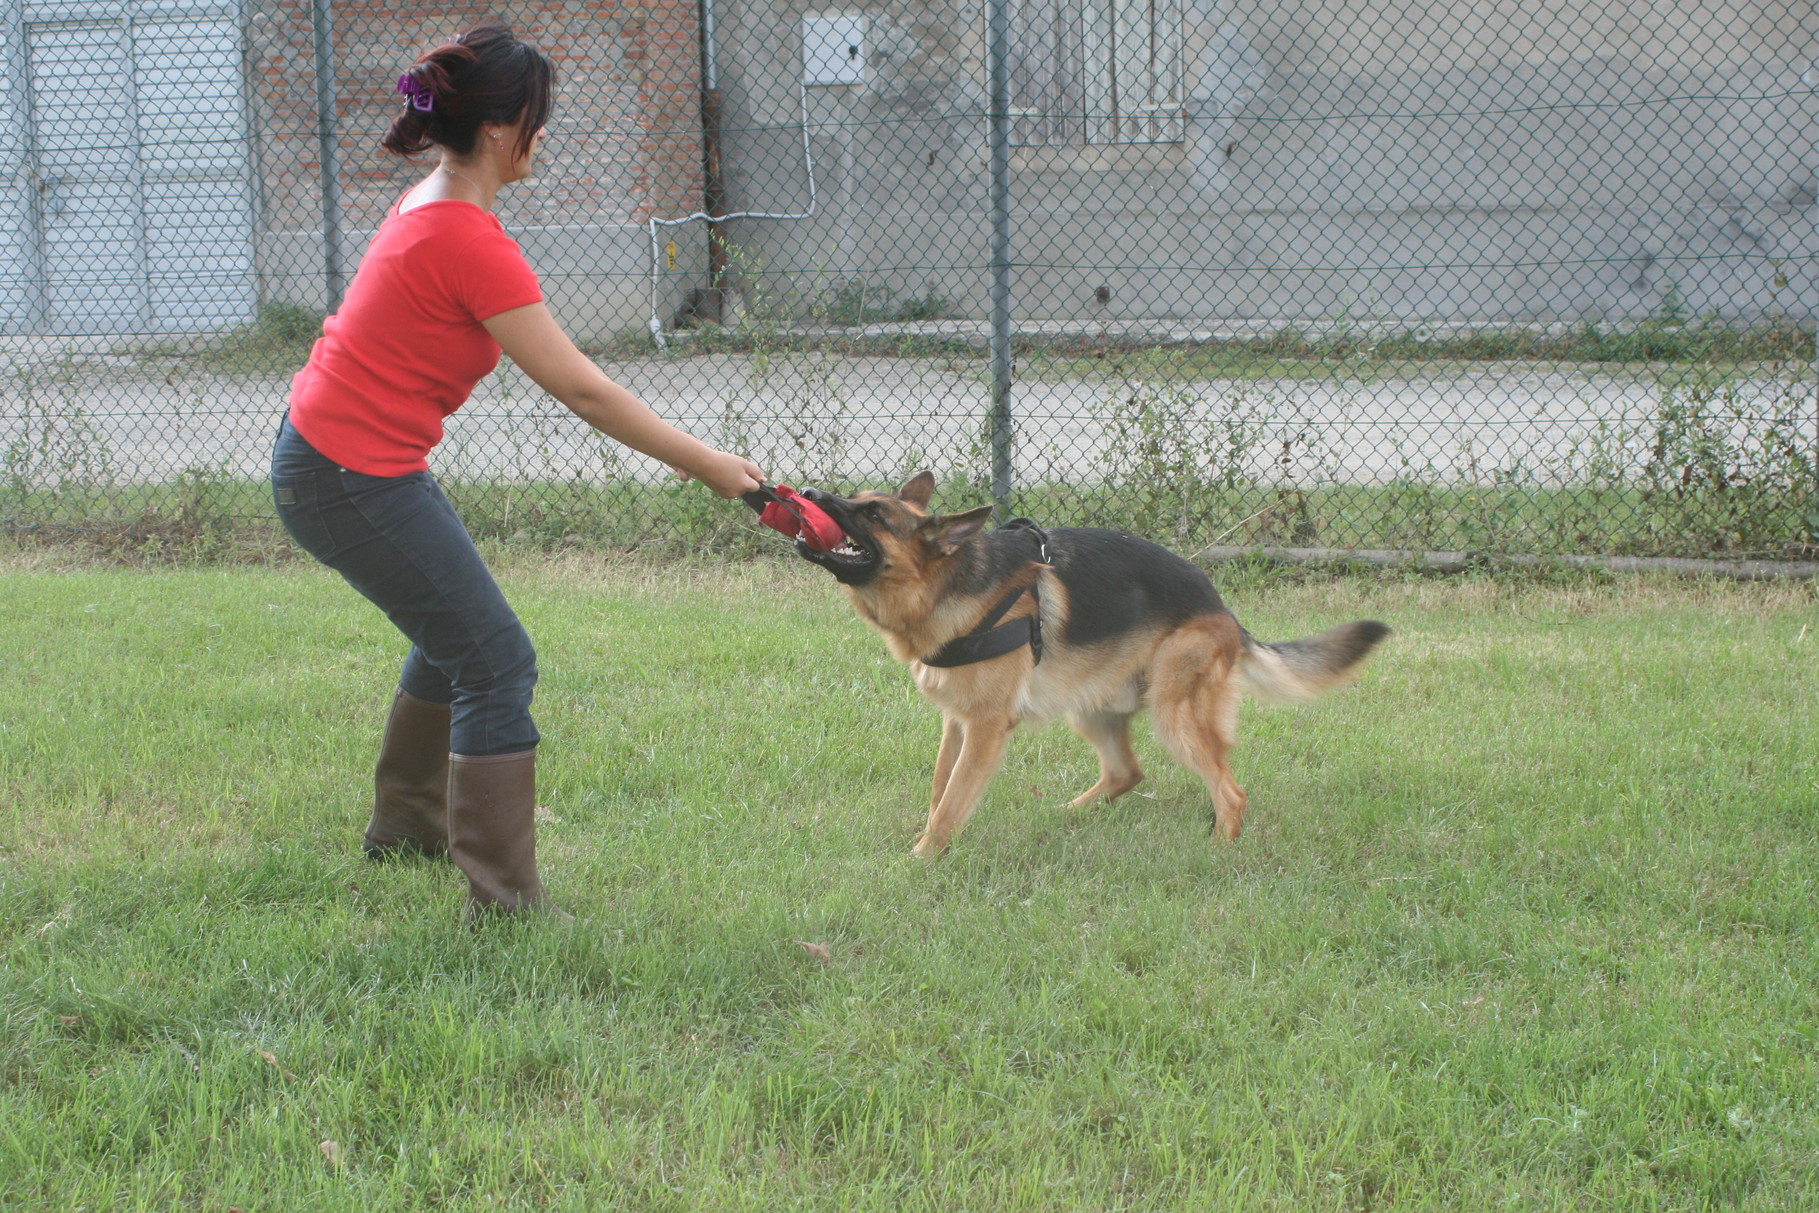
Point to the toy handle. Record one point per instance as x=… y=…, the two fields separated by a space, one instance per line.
x=765 y=495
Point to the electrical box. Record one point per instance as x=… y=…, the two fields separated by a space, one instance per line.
x=833 y=49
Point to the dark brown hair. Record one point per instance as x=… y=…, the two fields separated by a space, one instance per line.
x=484 y=75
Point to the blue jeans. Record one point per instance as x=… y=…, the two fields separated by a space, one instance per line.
x=397 y=540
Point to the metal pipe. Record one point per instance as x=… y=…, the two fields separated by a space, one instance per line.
x=655 y=323
x=710 y=71
x=997 y=49
x=710 y=302
x=328 y=143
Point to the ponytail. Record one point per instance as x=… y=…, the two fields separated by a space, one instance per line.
x=484 y=75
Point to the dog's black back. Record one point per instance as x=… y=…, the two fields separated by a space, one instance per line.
x=1113 y=580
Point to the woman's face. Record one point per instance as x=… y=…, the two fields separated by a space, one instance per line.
x=505 y=138
x=536 y=146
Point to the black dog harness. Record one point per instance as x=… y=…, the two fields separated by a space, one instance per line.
x=993 y=639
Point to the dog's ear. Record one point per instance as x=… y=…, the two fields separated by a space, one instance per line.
x=944 y=533
x=918 y=489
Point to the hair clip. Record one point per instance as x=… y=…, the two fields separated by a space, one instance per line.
x=418 y=96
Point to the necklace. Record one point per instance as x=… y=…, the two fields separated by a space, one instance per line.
x=462 y=176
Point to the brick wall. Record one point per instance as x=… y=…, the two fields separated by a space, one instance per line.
x=624 y=136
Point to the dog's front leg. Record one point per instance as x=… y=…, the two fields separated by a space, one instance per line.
x=961 y=782
x=953 y=733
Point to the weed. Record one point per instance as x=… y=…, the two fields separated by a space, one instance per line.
x=1732 y=466
x=852 y=301
x=56 y=456
x=277 y=341
x=1413 y=508
x=808 y=402
x=1178 y=455
x=927 y=306
x=197 y=524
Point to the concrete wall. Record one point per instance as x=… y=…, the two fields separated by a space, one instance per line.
x=1530 y=161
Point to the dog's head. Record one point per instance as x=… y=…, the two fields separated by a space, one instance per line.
x=891 y=536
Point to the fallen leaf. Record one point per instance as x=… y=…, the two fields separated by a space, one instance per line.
x=273 y=1063
x=331 y=1151
x=819 y=951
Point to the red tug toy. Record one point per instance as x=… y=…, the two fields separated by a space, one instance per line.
x=783 y=509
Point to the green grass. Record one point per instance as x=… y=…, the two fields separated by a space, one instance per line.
x=1373 y=350
x=1523 y=920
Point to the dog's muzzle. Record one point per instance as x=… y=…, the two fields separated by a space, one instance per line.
x=855 y=560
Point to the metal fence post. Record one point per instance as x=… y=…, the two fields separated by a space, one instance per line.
x=329 y=151
x=998 y=28
x=1812 y=508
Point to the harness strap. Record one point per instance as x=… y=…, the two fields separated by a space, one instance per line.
x=990 y=638
x=988 y=641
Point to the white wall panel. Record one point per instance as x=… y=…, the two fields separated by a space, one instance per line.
x=15 y=179
x=134 y=181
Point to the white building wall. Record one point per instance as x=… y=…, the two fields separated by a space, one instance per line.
x=1405 y=159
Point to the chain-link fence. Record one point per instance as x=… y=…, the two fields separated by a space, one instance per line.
x=1521 y=277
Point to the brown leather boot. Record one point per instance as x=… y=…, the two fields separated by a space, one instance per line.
x=410 y=782
x=492 y=834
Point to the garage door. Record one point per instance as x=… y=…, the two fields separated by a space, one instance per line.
x=131 y=178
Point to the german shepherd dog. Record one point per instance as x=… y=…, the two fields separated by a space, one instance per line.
x=1016 y=624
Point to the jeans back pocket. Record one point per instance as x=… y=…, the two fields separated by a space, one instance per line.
x=300 y=510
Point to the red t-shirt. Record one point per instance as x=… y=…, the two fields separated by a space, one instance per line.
x=407 y=346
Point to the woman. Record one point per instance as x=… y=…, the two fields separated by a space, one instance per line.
x=441 y=292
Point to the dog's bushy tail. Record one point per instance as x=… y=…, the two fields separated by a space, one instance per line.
x=1297 y=671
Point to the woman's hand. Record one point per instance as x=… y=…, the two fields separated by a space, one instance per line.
x=727 y=474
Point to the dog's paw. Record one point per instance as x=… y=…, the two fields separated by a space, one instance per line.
x=926 y=849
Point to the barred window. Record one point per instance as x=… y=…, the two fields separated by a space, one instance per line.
x=1096 y=71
